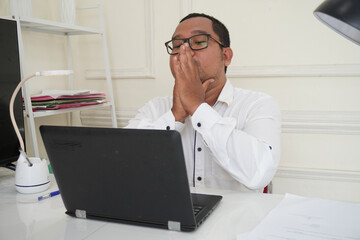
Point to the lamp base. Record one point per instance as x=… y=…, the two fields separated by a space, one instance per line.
x=31 y=179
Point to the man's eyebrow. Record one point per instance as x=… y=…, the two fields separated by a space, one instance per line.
x=195 y=32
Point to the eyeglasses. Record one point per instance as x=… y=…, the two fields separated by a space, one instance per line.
x=196 y=42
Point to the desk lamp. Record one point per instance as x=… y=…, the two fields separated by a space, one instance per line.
x=31 y=174
x=343 y=16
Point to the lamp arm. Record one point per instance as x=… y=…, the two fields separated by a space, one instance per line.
x=11 y=110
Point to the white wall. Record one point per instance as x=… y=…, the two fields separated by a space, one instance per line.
x=279 y=48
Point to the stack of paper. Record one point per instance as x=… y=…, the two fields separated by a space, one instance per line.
x=60 y=99
x=308 y=219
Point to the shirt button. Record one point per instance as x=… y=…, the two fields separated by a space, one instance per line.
x=199 y=124
x=199 y=149
x=167 y=127
x=199 y=178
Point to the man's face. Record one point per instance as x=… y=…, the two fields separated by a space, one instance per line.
x=210 y=61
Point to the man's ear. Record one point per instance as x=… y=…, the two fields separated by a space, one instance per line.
x=228 y=54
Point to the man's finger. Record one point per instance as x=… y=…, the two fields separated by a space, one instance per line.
x=185 y=58
x=207 y=83
x=177 y=66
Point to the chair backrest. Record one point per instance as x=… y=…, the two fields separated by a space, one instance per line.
x=268 y=188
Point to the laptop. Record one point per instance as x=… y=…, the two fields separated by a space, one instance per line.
x=130 y=176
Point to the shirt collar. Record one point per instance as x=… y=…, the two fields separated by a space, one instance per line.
x=227 y=93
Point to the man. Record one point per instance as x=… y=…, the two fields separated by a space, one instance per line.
x=230 y=136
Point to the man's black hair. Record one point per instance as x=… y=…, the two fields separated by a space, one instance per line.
x=218 y=27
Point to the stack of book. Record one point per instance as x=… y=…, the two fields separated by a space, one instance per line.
x=61 y=99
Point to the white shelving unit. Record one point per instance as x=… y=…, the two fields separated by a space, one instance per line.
x=67 y=30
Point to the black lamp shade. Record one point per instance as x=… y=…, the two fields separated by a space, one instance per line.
x=343 y=16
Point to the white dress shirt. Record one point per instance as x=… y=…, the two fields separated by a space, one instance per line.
x=234 y=144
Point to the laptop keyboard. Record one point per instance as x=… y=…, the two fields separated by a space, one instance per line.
x=197 y=209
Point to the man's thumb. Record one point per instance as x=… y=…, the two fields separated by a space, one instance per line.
x=207 y=83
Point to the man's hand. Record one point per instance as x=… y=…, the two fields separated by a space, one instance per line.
x=189 y=91
x=179 y=113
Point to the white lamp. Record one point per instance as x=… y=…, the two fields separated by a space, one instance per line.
x=32 y=174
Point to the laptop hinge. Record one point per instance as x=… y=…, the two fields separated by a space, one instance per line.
x=176 y=226
x=80 y=213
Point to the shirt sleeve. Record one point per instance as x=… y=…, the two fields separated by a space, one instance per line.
x=156 y=114
x=249 y=153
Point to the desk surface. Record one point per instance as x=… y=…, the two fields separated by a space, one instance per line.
x=23 y=217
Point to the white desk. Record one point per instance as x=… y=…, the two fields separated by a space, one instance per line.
x=23 y=217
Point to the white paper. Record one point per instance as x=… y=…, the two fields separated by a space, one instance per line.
x=56 y=92
x=308 y=218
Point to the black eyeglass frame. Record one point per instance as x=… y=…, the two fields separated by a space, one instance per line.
x=188 y=40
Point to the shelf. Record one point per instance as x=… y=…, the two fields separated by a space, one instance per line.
x=68 y=110
x=66 y=30
x=52 y=27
